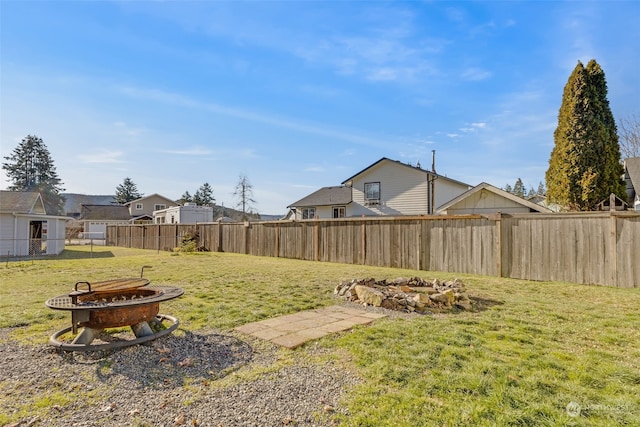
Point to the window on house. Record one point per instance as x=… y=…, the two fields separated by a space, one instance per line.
x=339 y=211
x=308 y=213
x=372 y=191
x=139 y=206
x=159 y=207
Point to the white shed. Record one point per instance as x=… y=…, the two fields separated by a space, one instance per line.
x=25 y=227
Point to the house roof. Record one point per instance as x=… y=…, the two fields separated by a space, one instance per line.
x=326 y=196
x=144 y=217
x=105 y=213
x=73 y=202
x=171 y=202
x=497 y=191
x=632 y=165
x=417 y=168
x=23 y=202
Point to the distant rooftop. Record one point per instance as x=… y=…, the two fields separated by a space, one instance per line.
x=73 y=202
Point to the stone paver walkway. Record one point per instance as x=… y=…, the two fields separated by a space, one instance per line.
x=293 y=330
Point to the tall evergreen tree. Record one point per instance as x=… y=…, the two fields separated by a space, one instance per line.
x=584 y=167
x=127 y=191
x=531 y=193
x=186 y=198
x=30 y=168
x=204 y=195
x=518 y=188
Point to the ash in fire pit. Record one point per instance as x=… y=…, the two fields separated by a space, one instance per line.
x=112 y=304
x=407 y=295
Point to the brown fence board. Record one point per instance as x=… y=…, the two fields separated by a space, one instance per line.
x=340 y=241
x=628 y=252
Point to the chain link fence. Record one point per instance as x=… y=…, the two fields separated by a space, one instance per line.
x=32 y=249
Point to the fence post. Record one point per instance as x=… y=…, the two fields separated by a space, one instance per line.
x=612 y=262
x=363 y=241
x=499 y=244
x=316 y=243
x=419 y=245
x=219 y=242
x=277 y=240
x=246 y=237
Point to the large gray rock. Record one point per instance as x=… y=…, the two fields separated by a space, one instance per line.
x=369 y=295
x=414 y=294
x=464 y=304
x=446 y=297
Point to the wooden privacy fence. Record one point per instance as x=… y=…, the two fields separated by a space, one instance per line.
x=589 y=248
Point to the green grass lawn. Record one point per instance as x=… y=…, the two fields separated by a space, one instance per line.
x=528 y=351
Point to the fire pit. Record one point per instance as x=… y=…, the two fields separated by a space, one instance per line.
x=113 y=304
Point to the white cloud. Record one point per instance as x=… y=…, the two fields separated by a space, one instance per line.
x=247 y=153
x=473 y=127
x=180 y=100
x=194 y=151
x=475 y=74
x=102 y=157
x=127 y=130
x=314 y=169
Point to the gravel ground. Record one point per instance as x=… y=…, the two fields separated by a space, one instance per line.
x=175 y=380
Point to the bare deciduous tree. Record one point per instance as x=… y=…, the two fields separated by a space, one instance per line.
x=244 y=194
x=629 y=130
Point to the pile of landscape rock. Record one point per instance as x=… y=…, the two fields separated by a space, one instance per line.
x=408 y=295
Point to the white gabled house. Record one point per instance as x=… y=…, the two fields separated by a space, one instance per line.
x=25 y=227
x=387 y=187
x=390 y=187
x=327 y=202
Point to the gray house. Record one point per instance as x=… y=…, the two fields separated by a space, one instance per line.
x=73 y=202
x=94 y=219
x=632 y=180
x=142 y=209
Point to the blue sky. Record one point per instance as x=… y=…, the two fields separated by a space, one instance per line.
x=300 y=95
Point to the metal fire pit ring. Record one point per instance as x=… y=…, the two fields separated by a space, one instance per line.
x=99 y=300
x=54 y=341
x=112 y=304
